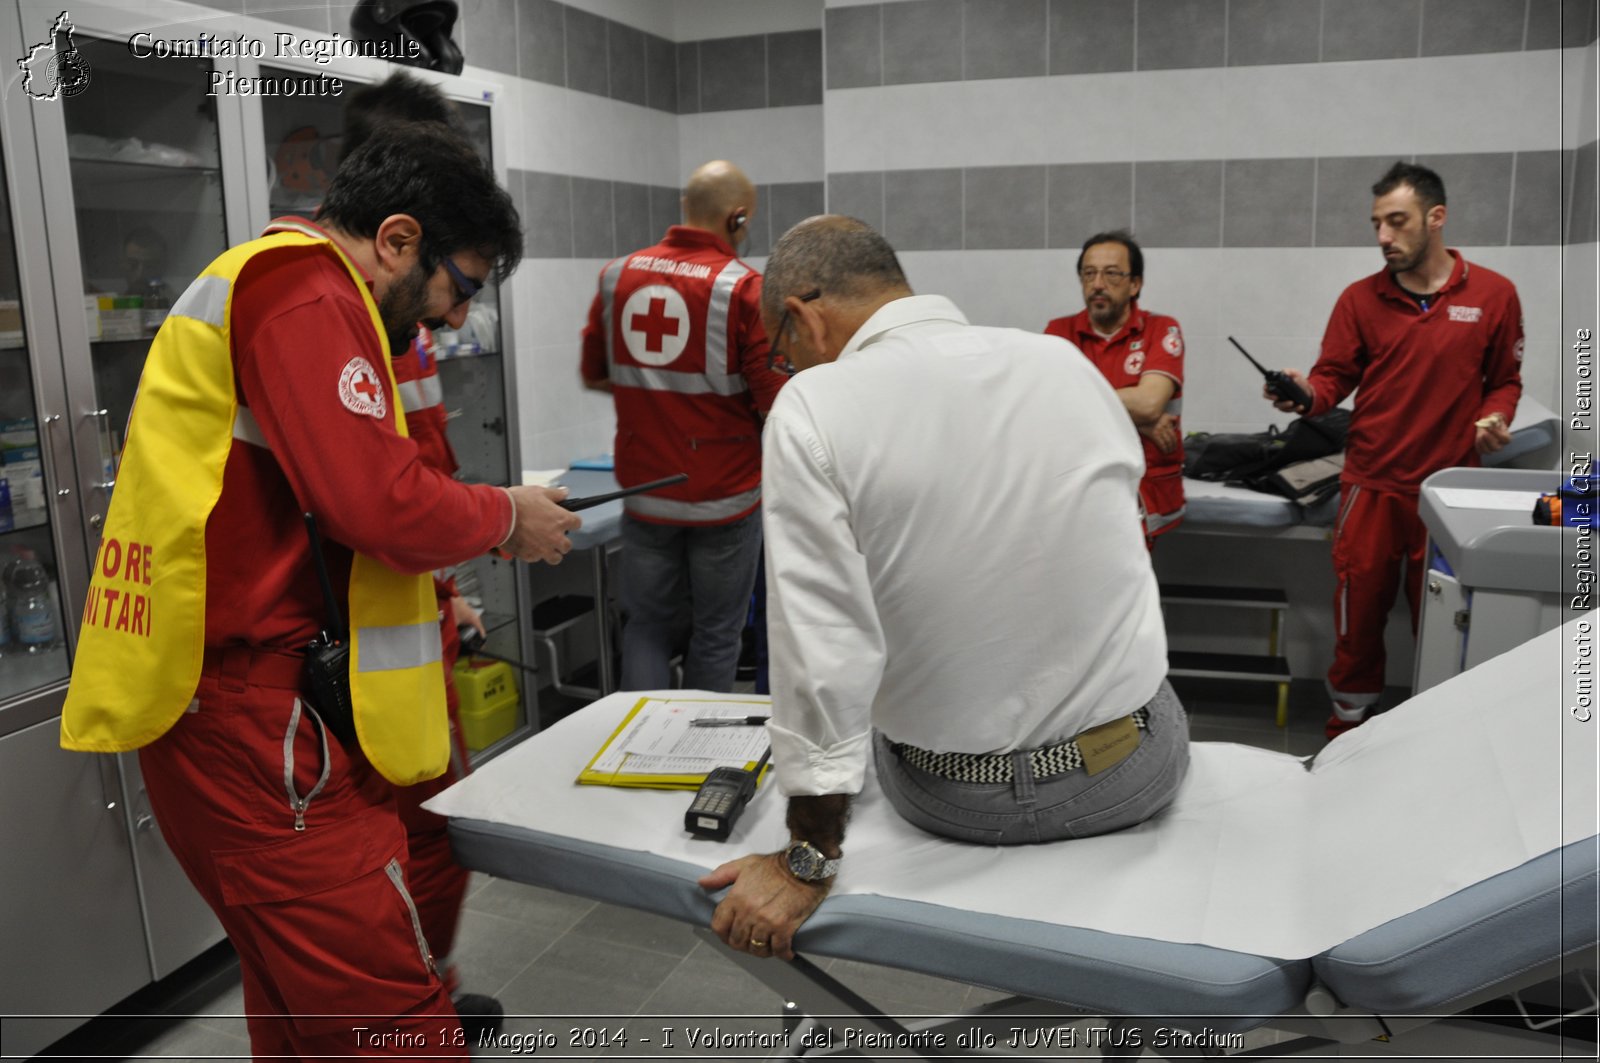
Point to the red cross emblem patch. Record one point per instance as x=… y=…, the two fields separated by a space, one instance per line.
x=654 y=324
x=361 y=390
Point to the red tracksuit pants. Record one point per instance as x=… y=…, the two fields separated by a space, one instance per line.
x=1377 y=532
x=298 y=849
x=438 y=884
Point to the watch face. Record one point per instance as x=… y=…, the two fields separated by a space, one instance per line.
x=805 y=862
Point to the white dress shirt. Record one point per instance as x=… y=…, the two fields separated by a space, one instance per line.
x=954 y=549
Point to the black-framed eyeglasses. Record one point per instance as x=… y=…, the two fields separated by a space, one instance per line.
x=466 y=287
x=1112 y=276
x=777 y=361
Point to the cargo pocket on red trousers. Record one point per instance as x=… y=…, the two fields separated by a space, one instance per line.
x=329 y=916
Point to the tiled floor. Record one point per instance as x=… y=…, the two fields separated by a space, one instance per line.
x=549 y=954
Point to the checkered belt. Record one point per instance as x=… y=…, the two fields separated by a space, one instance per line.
x=998 y=767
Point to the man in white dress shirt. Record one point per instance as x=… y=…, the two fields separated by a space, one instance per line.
x=957 y=581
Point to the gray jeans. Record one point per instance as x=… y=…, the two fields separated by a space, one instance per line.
x=1074 y=804
x=686 y=587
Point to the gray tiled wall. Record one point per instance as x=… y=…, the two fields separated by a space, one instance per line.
x=951 y=40
x=1495 y=198
x=547 y=41
x=583 y=217
x=936 y=40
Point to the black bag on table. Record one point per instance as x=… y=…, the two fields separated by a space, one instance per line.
x=1252 y=459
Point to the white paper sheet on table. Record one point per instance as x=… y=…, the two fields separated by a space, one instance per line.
x=1257 y=853
x=1500 y=501
x=661 y=740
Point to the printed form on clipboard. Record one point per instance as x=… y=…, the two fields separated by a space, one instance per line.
x=657 y=746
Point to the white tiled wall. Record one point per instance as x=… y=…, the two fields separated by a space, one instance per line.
x=772 y=145
x=584 y=135
x=562 y=131
x=1471 y=103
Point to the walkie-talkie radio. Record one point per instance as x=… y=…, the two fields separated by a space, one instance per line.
x=721 y=799
x=576 y=504
x=1279 y=383
x=327 y=667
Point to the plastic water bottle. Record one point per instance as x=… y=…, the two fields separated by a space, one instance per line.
x=33 y=610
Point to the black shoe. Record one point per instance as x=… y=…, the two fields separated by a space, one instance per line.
x=481 y=1016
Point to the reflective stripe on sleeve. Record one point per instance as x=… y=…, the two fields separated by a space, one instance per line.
x=421 y=394
x=384 y=649
x=206 y=299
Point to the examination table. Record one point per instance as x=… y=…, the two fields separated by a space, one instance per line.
x=1442 y=855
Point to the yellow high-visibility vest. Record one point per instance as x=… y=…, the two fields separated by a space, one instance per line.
x=142 y=641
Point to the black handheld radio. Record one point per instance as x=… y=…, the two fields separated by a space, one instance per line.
x=327 y=669
x=576 y=504
x=721 y=799
x=1278 y=383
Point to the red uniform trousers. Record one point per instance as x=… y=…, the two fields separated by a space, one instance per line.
x=438 y=884
x=331 y=952
x=1375 y=533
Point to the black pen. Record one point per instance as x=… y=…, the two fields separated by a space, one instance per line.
x=728 y=721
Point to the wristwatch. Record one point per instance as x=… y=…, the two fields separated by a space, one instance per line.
x=806 y=862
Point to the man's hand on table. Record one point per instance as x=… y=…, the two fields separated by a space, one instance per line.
x=765 y=906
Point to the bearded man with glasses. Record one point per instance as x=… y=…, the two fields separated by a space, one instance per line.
x=1141 y=355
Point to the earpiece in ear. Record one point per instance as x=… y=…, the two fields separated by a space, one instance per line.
x=736 y=222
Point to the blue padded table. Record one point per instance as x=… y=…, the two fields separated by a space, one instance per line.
x=1446 y=855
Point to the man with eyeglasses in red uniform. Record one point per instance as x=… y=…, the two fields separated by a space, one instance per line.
x=1141 y=355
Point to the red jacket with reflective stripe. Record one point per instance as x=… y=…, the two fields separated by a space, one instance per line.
x=1421 y=378
x=676 y=329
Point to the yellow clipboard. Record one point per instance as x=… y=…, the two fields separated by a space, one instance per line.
x=668 y=770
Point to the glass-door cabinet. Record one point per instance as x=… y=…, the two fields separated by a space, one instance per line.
x=122 y=174
x=33 y=647
x=302 y=141
x=134 y=183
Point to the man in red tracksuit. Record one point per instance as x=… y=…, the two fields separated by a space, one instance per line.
x=1141 y=355
x=292 y=839
x=675 y=335
x=438 y=884
x=1432 y=347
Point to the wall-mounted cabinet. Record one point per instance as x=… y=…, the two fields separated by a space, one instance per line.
x=112 y=199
